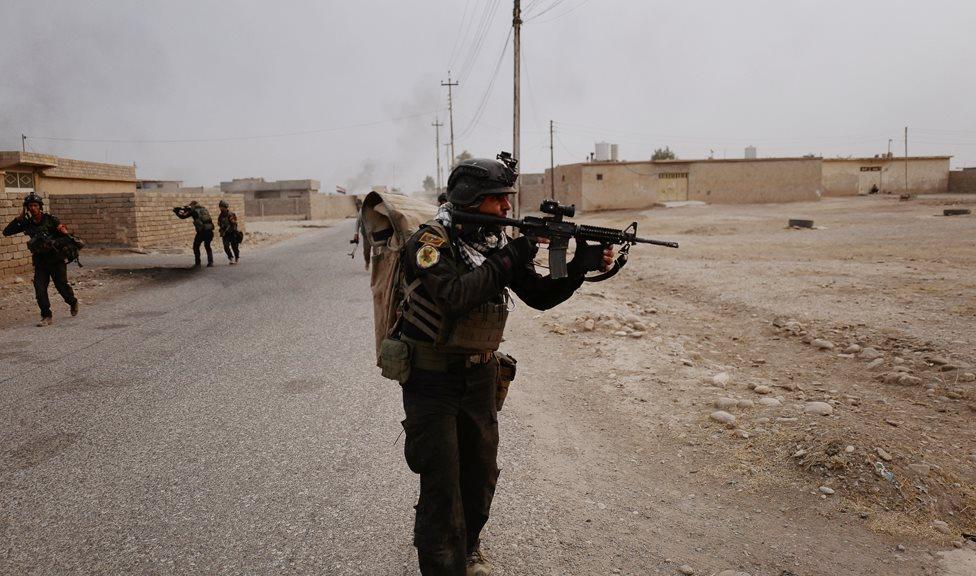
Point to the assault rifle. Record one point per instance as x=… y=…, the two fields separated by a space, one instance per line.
x=590 y=240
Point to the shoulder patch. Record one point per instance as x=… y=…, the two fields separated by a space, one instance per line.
x=432 y=240
x=427 y=256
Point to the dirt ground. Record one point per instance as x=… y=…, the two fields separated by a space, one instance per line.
x=721 y=358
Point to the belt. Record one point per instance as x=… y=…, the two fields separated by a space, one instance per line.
x=425 y=356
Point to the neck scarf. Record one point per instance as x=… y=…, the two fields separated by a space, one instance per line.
x=475 y=246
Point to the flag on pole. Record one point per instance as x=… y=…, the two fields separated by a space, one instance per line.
x=340 y=189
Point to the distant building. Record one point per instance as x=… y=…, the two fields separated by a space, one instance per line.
x=29 y=171
x=159 y=185
x=886 y=174
x=750 y=153
x=289 y=199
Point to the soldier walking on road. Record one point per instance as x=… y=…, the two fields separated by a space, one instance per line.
x=227 y=225
x=44 y=231
x=204 y=227
x=456 y=281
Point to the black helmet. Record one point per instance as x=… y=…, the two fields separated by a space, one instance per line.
x=473 y=179
x=223 y=204
x=33 y=198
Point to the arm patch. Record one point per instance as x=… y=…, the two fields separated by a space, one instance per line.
x=427 y=256
x=430 y=239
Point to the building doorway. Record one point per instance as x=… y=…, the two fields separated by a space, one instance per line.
x=869 y=180
x=672 y=187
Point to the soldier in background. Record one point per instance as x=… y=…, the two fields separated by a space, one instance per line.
x=227 y=225
x=204 y=227
x=49 y=264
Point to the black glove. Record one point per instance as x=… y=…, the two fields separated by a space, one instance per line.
x=521 y=251
x=588 y=258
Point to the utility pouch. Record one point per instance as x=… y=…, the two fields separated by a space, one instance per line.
x=506 y=373
x=395 y=359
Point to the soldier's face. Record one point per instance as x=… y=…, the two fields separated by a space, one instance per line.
x=495 y=205
x=34 y=209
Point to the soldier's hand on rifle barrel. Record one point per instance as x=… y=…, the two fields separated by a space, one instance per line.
x=607 y=258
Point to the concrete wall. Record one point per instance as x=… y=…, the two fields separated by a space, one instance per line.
x=15 y=258
x=329 y=206
x=962 y=180
x=568 y=186
x=618 y=186
x=142 y=220
x=845 y=177
x=759 y=181
x=533 y=189
x=78 y=186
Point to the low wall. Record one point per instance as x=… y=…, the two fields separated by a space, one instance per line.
x=278 y=208
x=139 y=220
x=962 y=180
x=15 y=259
x=332 y=206
x=761 y=181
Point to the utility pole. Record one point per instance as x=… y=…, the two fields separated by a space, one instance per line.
x=516 y=120
x=450 y=108
x=889 y=147
x=552 y=165
x=906 y=159
x=23 y=143
x=437 y=148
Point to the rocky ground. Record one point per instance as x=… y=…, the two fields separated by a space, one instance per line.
x=834 y=364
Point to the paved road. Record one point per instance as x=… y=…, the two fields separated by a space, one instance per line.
x=227 y=421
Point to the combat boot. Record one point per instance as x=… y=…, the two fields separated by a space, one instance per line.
x=74 y=307
x=45 y=321
x=478 y=565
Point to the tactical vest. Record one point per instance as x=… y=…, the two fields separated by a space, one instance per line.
x=478 y=330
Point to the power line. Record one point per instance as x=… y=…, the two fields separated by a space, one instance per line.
x=545 y=10
x=228 y=138
x=484 y=28
x=566 y=13
x=461 y=33
x=484 y=99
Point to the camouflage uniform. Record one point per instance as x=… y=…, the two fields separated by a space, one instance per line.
x=48 y=263
x=451 y=420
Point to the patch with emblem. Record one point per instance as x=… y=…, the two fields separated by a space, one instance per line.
x=432 y=240
x=427 y=256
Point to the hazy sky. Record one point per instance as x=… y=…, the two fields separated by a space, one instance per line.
x=345 y=92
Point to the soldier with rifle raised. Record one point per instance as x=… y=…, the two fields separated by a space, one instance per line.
x=458 y=270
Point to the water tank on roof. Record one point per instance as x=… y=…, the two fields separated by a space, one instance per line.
x=602 y=152
x=750 y=152
x=614 y=153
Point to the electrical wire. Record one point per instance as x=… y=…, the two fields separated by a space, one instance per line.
x=229 y=138
x=488 y=19
x=544 y=10
x=461 y=33
x=484 y=99
x=566 y=13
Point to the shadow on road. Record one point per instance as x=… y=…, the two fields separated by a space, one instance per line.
x=153 y=273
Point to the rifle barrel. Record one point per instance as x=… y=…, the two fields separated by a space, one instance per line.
x=656 y=242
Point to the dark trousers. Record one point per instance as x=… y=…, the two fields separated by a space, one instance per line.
x=51 y=266
x=452 y=443
x=232 y=248
x=203 y=237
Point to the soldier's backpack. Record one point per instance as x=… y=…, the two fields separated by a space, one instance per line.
x=389 y=220
x=206 y=222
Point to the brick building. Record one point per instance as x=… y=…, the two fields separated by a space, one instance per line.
x=30 y=171
x=289 y=199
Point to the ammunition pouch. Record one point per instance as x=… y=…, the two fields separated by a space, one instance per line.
x=40 y=244
x=506 y=373
x=395 y=359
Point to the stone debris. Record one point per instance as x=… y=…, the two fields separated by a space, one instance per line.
x=686 y=570
x=941 y=526
x=770 y=402
x=726 y=403
x=721 y=379
x=852 y=349
x=732 y=573
x=723 y=417
x=875 y=363
x=822 y=344
x=826 y=490
x=745 y=404
x=883 y=454
x=920 y=469
x=818 y=408
x=762 y=389
x=870 y=354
